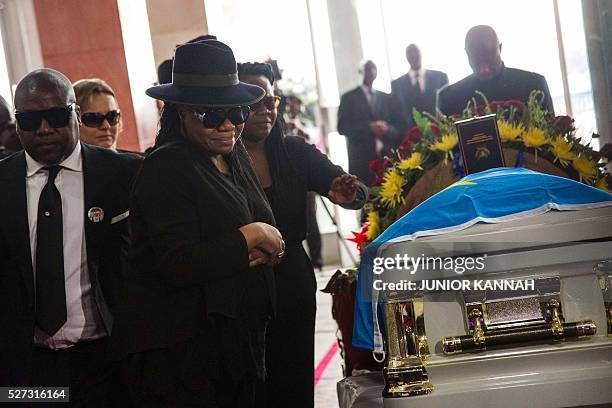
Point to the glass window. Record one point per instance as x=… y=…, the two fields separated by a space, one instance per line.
x=267 y=29
x=5 y=84
x=578 y=76
x=525 y=28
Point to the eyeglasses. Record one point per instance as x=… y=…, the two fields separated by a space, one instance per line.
x=212 y=118
x=95 y=119
x=55 y=117
x=270 y=102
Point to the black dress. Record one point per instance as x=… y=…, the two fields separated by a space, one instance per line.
x=290 y=337
x=190 y=328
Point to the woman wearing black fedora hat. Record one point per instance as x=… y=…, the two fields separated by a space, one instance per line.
x=200 y=288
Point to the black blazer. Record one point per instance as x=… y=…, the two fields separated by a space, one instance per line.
x=309 y=170
x=408 y=96
x=189 y=265
x=354 y=117
x=107 y=182
x=511 y=83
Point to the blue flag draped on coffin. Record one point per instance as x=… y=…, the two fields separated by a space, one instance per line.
x=492 y=196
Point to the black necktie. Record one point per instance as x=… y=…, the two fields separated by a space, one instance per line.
x=50 y=282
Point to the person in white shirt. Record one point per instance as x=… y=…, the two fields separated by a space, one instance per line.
x=368 y=119
x=417 y=88
x=63 y=246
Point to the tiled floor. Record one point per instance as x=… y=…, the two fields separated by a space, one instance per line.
x=325 y=341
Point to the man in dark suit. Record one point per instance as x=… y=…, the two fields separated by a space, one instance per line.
x=369 y=121
x=418 y=88
x=63 y=247
x=491 y=77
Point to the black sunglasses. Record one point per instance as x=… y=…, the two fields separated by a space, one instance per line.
x=270 y=102
x=212 y=118
x=95 y=119
x=55 y=117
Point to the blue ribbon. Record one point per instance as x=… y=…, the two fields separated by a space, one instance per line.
x=520 y=159
x=458 y=164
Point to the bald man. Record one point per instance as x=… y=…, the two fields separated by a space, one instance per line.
x=369 y=121
x=490 y=76
x=63 y=246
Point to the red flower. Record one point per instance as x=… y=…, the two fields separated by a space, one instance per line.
x=378 y=167
x=435 y=130
x=404 y=148
x=563 y=124
x=414 y=134
x=518 y=105
x=505 y=105
x=360 y=238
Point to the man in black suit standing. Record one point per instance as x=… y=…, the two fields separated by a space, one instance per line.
x=491 y=77
x=368 y=120
x=63 y=247
x=418 y=88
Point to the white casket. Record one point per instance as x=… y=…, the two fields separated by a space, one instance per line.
x=546 y=347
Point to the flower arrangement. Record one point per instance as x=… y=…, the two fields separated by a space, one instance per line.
x=525 y=127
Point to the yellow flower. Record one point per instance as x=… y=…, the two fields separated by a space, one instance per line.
x=509 y=132
x=562 y=151
x=373 y=226
x=446 y=145
x=587 y=169
x=413 y=162
x=391 y=189
x=602 y=185
x=535 y=137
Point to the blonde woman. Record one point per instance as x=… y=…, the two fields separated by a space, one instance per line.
x=100 y=114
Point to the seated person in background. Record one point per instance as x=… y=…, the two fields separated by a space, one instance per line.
x=9 y=140
x=491 y=77
x=100 y=114
x=367 y=118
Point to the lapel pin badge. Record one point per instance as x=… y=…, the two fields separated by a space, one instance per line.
x=95 y=214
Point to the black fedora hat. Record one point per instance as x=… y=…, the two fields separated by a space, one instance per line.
x=204 y=73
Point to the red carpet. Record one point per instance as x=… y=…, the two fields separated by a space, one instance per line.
x=320 y=368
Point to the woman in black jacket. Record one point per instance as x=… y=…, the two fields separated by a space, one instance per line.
x=288 y=168
x=200 y=288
